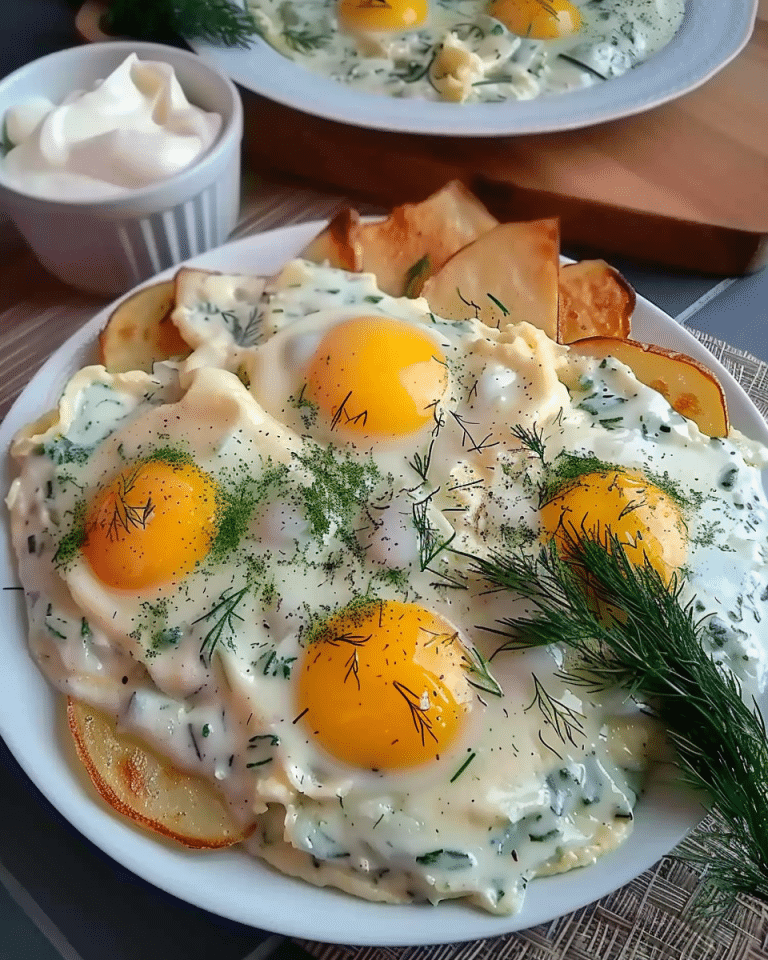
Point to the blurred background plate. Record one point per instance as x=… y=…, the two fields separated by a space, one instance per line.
x=712 y=33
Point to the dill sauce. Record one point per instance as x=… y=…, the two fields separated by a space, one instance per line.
x=537 y=779
x=463 y=54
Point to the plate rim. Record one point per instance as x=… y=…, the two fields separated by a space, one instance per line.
x=322 y=914
x=712 y=34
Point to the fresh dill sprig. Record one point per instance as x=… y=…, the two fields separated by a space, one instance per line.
x=563 y=720
x=431 y=541
x=421 y=464
x=218 y=21
x=631 y=629
x=479 y=672
x=223 y=615
x=533 y=439
x=304 y=41
x=418 y=710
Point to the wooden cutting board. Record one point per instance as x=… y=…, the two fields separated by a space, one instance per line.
x=684 y=185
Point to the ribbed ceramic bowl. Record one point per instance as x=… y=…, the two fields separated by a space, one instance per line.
x=108 y=246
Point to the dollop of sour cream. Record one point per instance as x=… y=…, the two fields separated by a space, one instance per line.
x=130 y=130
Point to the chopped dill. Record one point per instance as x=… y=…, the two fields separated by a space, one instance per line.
x=415 y=276
x=533 y=439
x=463 y=767
x=341 y=484
x=632 y=630
x=431 y=541
x=223 y=614
x=71 y=543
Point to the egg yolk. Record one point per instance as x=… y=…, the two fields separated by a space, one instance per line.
x=374 y=15
x=151 y=525
x=377 y=376
x=385 y=686
x=538 y=19
x=644 y=519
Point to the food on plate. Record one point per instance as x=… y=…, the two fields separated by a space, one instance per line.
x=409 y=245
x=594 y=301
x=260 y=562
x=474 y=50
x=477 y=280
x=140 y=331
x=690 y=387
x=147 y=790
x=130 y=130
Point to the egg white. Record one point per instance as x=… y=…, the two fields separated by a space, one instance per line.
x=205 y=668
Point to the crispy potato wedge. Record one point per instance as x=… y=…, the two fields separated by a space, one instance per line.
x=338 y=243
x=140 y=331
x=412 y=243
x=690 y=387
x=594 y=301
x=147 y=790
x=508 y=275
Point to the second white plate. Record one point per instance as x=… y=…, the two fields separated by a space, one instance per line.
x=713 y=32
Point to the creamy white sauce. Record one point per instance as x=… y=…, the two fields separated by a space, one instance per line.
x=462 y=54
x=131 y=130
x=517 y=795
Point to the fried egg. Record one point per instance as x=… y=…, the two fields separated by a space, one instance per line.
x=263 y=569
x=475 y=50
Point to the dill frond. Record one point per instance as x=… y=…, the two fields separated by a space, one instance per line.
x=631 y=629
x=218 y=21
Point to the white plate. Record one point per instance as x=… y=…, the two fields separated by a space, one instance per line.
x=228 y=882
x=712 y=33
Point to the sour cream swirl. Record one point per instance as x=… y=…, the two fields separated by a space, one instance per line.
x=132 y=129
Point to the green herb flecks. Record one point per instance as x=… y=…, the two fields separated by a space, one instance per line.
x=564 y=721
x=72 y=541
x=261 y=745
x=238 y=505
x=568 y=467
x=421 y=462
x=447 y=860
x=341 y=486
x=63 y=450
x=269 y=664
x=646 y=640
x=242 y=325
x=308 y=408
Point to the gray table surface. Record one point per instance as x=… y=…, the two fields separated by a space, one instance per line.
x=60 y=897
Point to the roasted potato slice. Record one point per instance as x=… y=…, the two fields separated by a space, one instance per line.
x=148 y=790
x=507 y=275
x=690 y=387
x=140 y=331
x=594 y=301
x=412 y=243
x=339 y=243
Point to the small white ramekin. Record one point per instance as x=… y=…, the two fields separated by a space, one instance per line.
x=108 y=246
